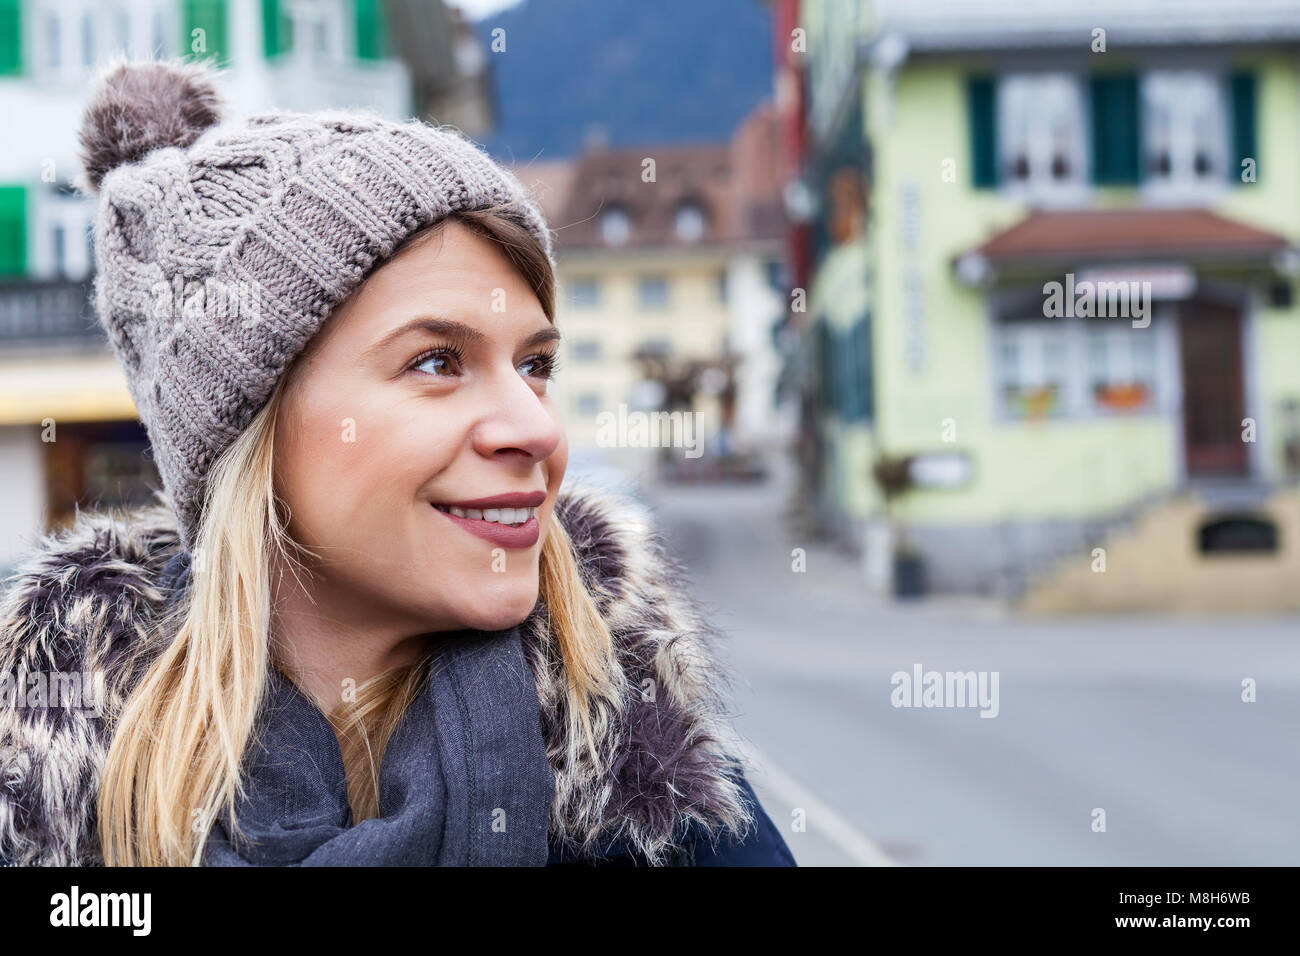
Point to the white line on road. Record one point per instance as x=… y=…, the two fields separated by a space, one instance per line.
x=821 y=817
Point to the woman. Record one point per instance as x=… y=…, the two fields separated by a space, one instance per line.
x=366 y=624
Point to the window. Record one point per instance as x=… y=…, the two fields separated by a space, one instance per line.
x=1121 y=365
x=776 y=275
x=1237 y=534
x=587 y=350
x=1076 y=366
x=1031 y=367
x=615 y=227
x=584 y=293
x=60 y=239
x=1185 y=135
x=53 y=40
x=652 y=292
x=123 y=21
x=159 y=47
x=87 y=41
x=589 y=403
x=1041 y=128
x=690 y=222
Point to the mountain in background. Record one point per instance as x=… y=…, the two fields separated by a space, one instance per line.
x=665 y=71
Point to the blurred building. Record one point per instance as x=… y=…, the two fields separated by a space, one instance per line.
x=976 y=430
x=69 y=435
x=673 y=253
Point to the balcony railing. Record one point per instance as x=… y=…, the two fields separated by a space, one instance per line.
x=49 y=314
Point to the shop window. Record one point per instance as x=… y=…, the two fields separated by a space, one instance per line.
x=1031 y=367
x=1121 y=366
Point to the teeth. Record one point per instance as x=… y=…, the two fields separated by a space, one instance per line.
x=508 y=516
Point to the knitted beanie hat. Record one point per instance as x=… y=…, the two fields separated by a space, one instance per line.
x=221 y=246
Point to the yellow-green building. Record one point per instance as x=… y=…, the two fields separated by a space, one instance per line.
x=1069 y=310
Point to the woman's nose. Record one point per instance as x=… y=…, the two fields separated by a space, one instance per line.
x=516 y=420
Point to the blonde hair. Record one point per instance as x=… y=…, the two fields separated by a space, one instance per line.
x=174 y=762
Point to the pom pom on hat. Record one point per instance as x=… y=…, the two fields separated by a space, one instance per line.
x=140 y=106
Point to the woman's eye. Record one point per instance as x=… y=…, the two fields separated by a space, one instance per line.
x=440 y=362
x=539 y=366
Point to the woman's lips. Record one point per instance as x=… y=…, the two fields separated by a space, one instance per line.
x=504 y=536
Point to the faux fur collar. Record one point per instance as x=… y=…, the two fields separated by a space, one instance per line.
x=84 y=596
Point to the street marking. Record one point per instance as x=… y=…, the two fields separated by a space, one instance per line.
x=840 y=832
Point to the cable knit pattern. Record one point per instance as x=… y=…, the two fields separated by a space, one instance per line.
x=220 y=259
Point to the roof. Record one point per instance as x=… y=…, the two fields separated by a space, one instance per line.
x=1129 y=233
x=736 y=185
x=548 y=183
x=950 y=25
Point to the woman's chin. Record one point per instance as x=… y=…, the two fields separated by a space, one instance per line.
x=500 y=612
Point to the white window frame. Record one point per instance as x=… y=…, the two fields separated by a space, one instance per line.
x=646 y=281
x=1030 y=108
x=1075 y=336
x=1186 y=96
x=578 y=302
x=615 y=227
x=689 y=223
x=1120 y=343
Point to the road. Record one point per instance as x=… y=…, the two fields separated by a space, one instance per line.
x=1139 y=717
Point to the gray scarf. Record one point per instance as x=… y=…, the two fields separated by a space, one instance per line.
x=464 y=781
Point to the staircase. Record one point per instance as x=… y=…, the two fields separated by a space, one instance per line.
x=1153 y=559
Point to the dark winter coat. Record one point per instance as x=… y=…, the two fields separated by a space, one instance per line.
x=673 y=791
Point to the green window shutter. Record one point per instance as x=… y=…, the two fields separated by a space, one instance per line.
x=825 y=365
x=211 y=17
x=864 y=387
x=13 y=230
x=1116 y=130
x=277 y=28
x=844 y=378
x=981 y=108
x=369 y=18
x=11 y=37
x=1244 y=145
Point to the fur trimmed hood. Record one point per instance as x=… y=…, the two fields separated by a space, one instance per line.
x=84 y=597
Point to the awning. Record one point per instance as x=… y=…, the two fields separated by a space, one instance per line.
x=1102 y=235
x=72 y=388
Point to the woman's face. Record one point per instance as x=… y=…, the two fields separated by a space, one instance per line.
x=426 y=389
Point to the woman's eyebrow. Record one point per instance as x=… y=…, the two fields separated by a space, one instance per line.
x=456 y=330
